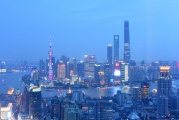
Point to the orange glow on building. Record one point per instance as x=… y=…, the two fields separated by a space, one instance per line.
x=164 y=68
x=10 y=91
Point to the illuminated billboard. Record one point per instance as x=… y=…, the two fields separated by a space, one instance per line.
x=117 y=73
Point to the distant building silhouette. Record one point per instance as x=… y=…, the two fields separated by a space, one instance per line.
x=74 y=66
x=42 y=72
x=126 y=42
x=133 y=71
x=61 y=70
x=107 y=73
x=109 y=55
x=116 y=47
x=97 y=69
x=80 y=69
x=24 y=104
x=89 y=61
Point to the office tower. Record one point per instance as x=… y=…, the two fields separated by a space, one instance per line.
x=55 y=108
x=145 y=92
x=174 y=107
x=72 y=113
x=162 y=107
x=175 y=103
x=61 y=72
x=91 y=66
x=86 y=65
x=42 y=72
x=143 y=71
x=89 y=61
x=165 y=82
x=120 y=98
x=107 y=73
x=80 y=69
x=24 y=103
x=84 y=112
x=164 y=92
x=104 y=110
x=54 y=67
x=174 y=70
x=73 y=79
x=6 y=111
x=34 y=74
x=124 y=72
x=117 y=72
x=77 y=96
x=97 y=69
x=153 y=71
x=109 y=55
x=101 y=77
x=35 y=101
x=133 y=71
x=68 y=69
x=100 y=110
x=126 y=42
x=92 y=111
x=136 y=94
x=50 y=70
x=116 y=47
x=74 y=66
x=65 y=60
x=69 y=111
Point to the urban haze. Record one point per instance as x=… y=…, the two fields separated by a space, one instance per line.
x=89 y=60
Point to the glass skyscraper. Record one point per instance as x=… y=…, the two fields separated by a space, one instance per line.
x=109 y=54
x=126 y=42
x=164 y=92
x=116 y=47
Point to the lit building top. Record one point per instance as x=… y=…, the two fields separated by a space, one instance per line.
x=7 y=108
x=135 y=87
x=10 y=91
x=86 y=55
x=34 y=88
x=164 y=68
x=110 y=45
x=81 y=61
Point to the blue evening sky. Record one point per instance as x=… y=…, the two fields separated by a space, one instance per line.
x=81 y=27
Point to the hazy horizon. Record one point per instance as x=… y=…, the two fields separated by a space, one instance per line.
x=86 y=27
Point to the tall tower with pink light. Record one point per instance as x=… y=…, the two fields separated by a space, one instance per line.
x=50 y=53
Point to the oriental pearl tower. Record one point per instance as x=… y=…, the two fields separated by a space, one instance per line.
x=50 y=71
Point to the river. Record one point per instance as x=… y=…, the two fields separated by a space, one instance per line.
x=9 y=80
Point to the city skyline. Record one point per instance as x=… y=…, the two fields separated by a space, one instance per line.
x=79 y=28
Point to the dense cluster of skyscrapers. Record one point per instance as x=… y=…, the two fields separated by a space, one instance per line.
x=142 y=102
x=89 y=69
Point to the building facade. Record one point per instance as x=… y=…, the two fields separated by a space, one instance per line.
x=126 y=42
x=116 y=47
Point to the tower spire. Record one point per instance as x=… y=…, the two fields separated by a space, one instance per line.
x=50 y=53
x=50 y=42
